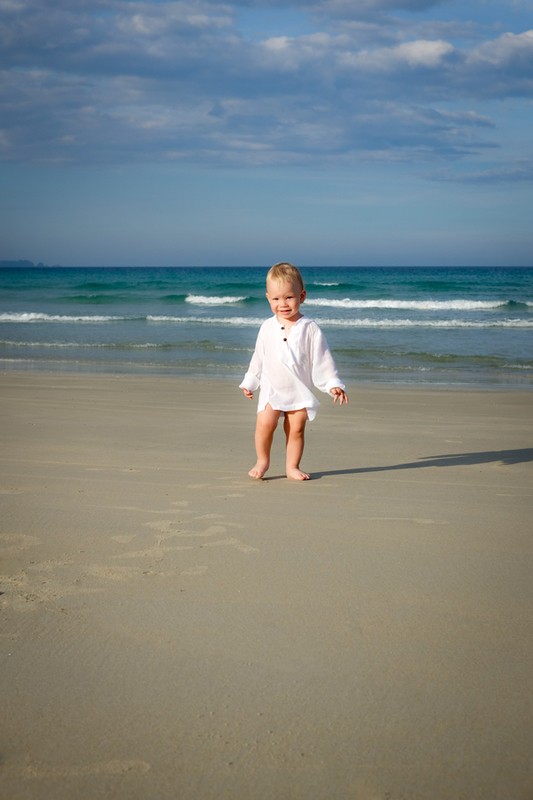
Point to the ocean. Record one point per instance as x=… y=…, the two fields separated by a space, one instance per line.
x=447 y=326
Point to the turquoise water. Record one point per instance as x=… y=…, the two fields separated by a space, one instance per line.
x=395 y=325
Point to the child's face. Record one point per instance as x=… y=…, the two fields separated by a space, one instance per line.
x=285 y=299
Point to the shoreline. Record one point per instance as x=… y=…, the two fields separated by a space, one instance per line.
x=173 y=628
x=368 y=382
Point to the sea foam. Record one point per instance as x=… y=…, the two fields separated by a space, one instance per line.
x=31 y=316
x=409 y=305
x=240 y=321
x=205 y=300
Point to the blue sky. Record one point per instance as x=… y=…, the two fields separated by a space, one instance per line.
x=376 y=132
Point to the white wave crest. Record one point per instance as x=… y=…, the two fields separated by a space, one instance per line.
x=80 y=345
x=353 y=323
x=409 y=305
x=203 y=300
x=255 y=322
x=419 y=323
x=28 y=316
x=239 y=321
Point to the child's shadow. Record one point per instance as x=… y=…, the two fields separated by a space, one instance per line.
x=507 y=457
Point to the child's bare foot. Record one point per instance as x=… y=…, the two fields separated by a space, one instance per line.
x=297 y=475
x=259 y=470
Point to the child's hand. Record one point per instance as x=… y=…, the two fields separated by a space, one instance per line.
x=248 y=394
x=339 y=394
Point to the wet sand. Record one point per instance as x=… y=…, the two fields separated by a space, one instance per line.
x=175 y=630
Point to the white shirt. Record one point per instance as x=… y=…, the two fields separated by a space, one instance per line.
x=287 y=363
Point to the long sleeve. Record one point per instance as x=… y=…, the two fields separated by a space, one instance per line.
x=323 y=369
x=252 y=378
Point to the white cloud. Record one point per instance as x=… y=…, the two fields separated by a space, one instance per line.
x=277 y=43
x=423 y=53
x=415 y=54
x=505 y=50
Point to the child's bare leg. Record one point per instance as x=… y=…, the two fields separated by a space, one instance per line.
x=294 y=427
x=266 y=424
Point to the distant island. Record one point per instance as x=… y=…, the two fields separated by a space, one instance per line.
x=22 y=264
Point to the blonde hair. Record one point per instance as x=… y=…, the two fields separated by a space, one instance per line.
x=286 y=273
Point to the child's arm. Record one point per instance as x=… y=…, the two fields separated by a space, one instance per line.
x=324 y=371
x=252 y=379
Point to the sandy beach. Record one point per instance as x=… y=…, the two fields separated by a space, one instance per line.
x=175 y=630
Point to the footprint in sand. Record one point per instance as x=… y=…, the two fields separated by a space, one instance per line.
x=43 y=584
x=111 y=573
x=236 y=543
x=168 y=526
x=199 y=570
x=417 y=520
x=155 y=553
x=116 y=767
x=15 y=542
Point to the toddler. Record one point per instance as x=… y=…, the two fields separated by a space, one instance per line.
x=291 y=355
